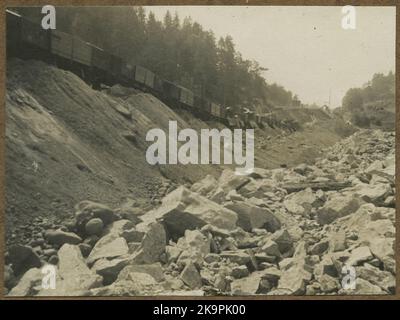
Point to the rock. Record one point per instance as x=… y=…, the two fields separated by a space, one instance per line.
x=110 y=269
x=374 y=167
x=319 y=248
x=240 y=272
x=9 y=279
x=230 y=181
x=246 y=286
x=258 y=188
x=383 y=279
x=26 y=285
x=374 y=193
x=53 y=260
x=132 y=235
x=155 y=270
x=212 y=257
x=256 y=283
x=363 y=287
x=152 y=245
x=263 y=258
x=85 y=249
x=131 y=214
x=359 y=255
x=190 y=276
x=185 y=210
x=217 y=232
x=173 y=253
x=251 y=217
x=91 y=241
x=239 y=257
x=205 y=186
x=339 y=205
x=337 y=241
x=331 y=264
x=194 y=246
x=59 y=237
x=301 y=203
x=284 y=241
x=272 y=275
x=22 y=258
x=295 y=279
x=271 y=248
x=49 y=252
x=108 y=247
x=86 y=210
x=173 y=284
x=137 y=284
x=328 y=284
x=73 y=276
x=383 y=249
x=94 y=226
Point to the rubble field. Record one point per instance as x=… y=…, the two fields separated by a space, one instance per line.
x=321 y=228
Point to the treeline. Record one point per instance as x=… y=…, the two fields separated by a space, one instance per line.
x=178 y=50
x=374 y=103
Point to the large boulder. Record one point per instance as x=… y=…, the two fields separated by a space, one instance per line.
x=257 y=188
x=301 y=203
x=152 y=245
x=251 y=217
x=205 y=186
x=134 y=284
x=182 y=210
x=376 y=193
x=258 y=282
x=190 y=276
x=60 y=237
x=295 y=274
x=87 y=210
x=229 y=180
x=27 y=284
x=337 y=206
x=109 y=269
x=94 y=226
x=108 y=247
x=155 y=270
x=359 y=255
x=74 y=278
x=194 y=246
x=22 y=258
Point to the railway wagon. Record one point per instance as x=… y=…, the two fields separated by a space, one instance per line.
x=215 y=110
x=101 y=60
x=158 y=85
x=61 y=44
x=34 y=38
x=115 y=66
x=170 y=92
x=13 y=32
x=127 y=72
x=81 y=52
x=144 y=77
x=149 y=80
x=186 y=97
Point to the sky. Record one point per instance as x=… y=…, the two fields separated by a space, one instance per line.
x=305 y=48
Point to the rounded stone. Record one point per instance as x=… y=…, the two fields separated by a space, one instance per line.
x=94 y=226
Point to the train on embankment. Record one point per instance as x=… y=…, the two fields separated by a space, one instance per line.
x=27 y=39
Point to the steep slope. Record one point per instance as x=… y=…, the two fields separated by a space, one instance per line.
x=66 y=142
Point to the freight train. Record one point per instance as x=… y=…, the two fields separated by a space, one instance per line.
x=28 y=40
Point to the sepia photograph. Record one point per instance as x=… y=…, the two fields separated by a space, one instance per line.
x=199 y=151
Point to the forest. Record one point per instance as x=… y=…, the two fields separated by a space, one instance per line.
x=178 y=49
x=376 y=98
